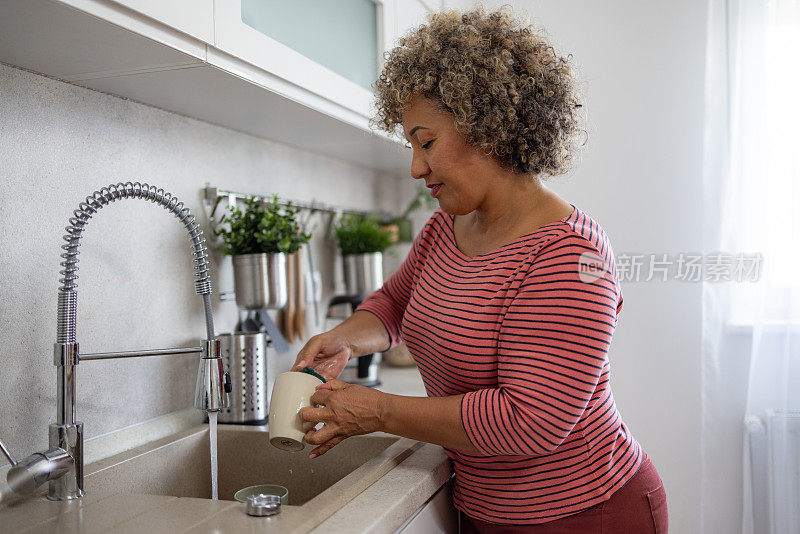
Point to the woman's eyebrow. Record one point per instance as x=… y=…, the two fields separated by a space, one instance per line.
x=414 y=129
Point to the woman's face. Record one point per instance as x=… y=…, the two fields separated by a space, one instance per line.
x=458 y=175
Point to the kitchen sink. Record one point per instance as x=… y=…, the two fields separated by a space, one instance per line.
x=165 y=486
x=180 y=465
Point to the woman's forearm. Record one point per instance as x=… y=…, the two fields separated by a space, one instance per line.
x=434 y=420
x=430 y=419
x=365 y=333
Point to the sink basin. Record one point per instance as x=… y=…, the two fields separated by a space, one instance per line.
x=165 y=486
x=179 y=466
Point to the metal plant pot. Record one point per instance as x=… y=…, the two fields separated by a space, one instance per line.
x=260 y=281
x=363 y=273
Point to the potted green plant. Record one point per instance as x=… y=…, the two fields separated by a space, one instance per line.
x=362 y=241
x=259 y=239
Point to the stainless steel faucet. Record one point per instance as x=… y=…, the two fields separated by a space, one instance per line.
x=62 y=464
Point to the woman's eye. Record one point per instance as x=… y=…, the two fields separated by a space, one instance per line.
x=428 y=144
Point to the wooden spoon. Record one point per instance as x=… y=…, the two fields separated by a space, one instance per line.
x=289 y=310
x=300 y=327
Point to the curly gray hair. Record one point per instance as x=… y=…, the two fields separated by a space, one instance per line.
x=509 y=92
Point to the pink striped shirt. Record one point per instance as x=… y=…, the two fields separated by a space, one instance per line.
x=524 y=332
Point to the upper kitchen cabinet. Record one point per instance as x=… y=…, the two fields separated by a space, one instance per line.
x=192 y=17
x=76 y=40
x=328 y=49
x=293 y=72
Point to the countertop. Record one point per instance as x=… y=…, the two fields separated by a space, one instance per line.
x=381 y=508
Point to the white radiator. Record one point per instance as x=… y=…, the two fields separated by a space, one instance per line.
x=774 y=467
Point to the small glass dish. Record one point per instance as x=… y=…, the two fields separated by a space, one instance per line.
x=265 y=489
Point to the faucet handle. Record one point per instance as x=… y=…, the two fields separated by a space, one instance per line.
x=7 y=454
x=228 y=384
x=38 y=468
x=228 y=389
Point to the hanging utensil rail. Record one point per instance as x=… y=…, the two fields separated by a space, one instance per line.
x=214 y=196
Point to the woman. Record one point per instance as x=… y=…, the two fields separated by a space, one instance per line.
x=508 y=299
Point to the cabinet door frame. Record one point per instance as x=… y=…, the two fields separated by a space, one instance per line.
x=192 y=17
x=236 y=38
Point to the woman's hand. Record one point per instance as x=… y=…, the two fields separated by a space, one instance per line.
x=326 y=353
x=347 y=410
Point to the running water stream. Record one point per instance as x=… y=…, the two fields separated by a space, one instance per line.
x=212 y=437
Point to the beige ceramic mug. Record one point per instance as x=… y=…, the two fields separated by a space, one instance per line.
x=291 y=392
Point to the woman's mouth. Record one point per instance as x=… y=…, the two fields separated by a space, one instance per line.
x=435 y=189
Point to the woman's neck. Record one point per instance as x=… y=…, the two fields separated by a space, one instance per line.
x=509 y=205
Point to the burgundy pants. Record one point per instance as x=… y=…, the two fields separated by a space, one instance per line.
x=638 y=507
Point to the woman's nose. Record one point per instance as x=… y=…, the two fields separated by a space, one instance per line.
x=419 y=167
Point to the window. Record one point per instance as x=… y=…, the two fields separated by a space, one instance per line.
x=763 y=203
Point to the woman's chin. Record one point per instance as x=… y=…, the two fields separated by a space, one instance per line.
x=453 y=208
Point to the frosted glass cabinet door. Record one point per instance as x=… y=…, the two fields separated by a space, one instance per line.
x=328 y=47
x=192 y=17
x=340 y=35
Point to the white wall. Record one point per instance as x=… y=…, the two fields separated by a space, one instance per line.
x=643 y=66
